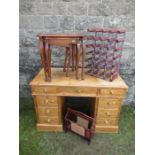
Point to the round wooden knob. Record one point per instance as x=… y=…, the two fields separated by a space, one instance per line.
x=111 y=92
x=45 y=90
x=106 y=122
x=48 y=120
x=73 y=41
x=46 y=101
x=78 y=91
x=107 y=113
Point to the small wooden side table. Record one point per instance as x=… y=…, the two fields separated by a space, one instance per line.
x=60 y=40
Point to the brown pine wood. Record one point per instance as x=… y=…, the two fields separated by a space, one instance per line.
x=49 y=99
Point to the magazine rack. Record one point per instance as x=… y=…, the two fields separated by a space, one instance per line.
x=80 y=124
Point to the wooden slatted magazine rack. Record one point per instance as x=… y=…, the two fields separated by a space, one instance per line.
x=80 y=124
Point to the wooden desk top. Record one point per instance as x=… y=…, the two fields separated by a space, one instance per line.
x=59 y=79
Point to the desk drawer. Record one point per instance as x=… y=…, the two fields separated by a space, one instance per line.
x=48 y=120
x=107 y=113
x=112 y=92
x=49 y=101
x=77 y=91
x=109 y=103
x=107 y=121
x=41 y=89
x=48 y=111
x=62 y=41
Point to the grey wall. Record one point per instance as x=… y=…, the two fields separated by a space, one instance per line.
x=72 y=16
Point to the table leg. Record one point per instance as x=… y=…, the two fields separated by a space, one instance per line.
x=83 y=60
x=49 y=62
x=69 y=61
x=66 y=57
x=73 y=56
x=48 y=66
x=77 y=60
x=42 y=54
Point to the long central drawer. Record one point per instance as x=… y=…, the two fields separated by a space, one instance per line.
x=76 y=91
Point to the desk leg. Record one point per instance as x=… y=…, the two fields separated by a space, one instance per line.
x=83 y=60
x=77 y=60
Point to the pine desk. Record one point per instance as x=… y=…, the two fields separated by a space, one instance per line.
x=49 y=99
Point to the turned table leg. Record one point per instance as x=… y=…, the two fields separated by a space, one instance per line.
x=73 y=57
x=43 y=57
x=77 y=60
x=48 y=62
x=66 y=57
x=83 y=60
x=69 y=61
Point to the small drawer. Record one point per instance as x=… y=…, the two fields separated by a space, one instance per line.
x=62 y=41
x=48 y=111
x=48 y=120
x=107 y=121
x=50 y=89
x=43 y=89
x=37 y=89
x=112 y=92
x=77 y=91
x=107 y=113
x=109 y=103
x=49 y=101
